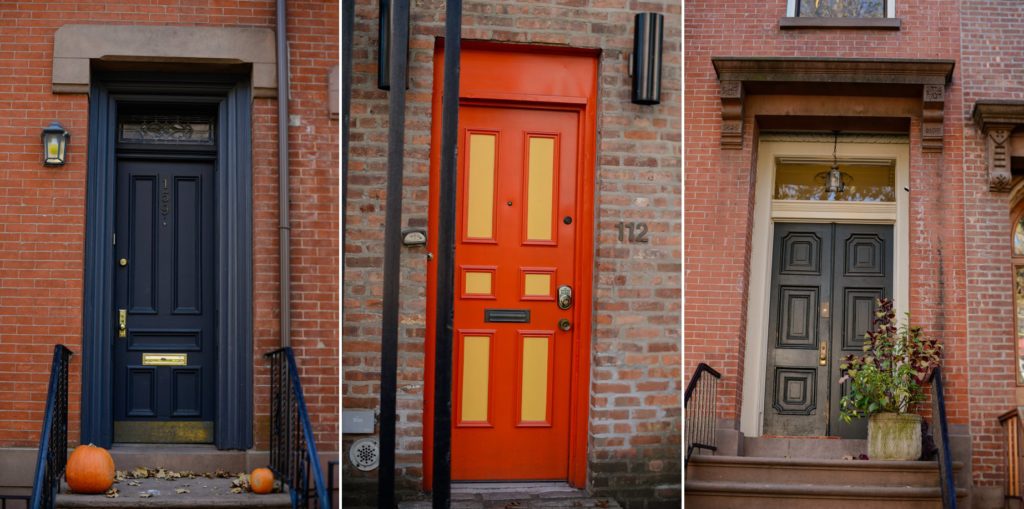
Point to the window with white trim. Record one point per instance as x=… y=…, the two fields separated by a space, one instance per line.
x=841 y=9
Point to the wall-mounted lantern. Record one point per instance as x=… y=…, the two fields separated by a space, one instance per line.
x=55 y=143
x=384 y=21
x=645 y=61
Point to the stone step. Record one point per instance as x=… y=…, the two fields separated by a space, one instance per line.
x=744 y=495
x=923 y=474
x=202 y=494
x=803 y=447
x=196 y=458
x=521 y=495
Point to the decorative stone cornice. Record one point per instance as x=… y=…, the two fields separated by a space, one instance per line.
x=738 y=75
x=997 y=120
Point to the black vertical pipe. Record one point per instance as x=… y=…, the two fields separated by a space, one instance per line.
x=384 y=23
x=446 y=257
x=347 y=12
x=392 y=256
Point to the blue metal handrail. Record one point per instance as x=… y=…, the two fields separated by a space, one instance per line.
x=293 y=456
x=942 y=439
x=53 y=441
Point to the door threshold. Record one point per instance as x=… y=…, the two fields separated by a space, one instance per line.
x=511 y=486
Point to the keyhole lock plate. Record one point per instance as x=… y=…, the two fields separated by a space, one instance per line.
x=564 y=297
x=122 y=323
x=564 y=324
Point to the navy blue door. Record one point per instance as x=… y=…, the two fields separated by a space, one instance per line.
x=164 y=380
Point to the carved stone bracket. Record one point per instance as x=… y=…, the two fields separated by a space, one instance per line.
x=932 y=102
x=997 y=120
x=732 y=114
x=922 y=78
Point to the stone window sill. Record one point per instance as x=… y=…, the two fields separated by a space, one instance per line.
x=856 y=23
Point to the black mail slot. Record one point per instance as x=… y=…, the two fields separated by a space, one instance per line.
x=507 y=315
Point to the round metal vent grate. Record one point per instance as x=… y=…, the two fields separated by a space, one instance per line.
x=365 y=454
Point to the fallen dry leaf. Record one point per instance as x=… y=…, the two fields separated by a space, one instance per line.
x=112 y=493
x=181 y=490
x=134 y=483
x=145 y=495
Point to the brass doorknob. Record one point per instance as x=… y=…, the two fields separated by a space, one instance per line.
x=564 y=324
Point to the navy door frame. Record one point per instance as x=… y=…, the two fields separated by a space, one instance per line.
x=231 y=94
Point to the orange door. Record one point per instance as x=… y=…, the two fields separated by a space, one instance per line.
x=515 y=247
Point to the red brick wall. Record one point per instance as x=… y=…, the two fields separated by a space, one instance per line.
x=992 y=62
x=719 y=205
x=42 y=209
x=635 y=380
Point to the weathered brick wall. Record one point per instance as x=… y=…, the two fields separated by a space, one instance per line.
x=719 y=197
x=992 y=65
x=42 y=210
x=635 y=423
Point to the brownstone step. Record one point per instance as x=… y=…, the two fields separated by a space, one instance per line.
x=744 y=495
x=924 y=474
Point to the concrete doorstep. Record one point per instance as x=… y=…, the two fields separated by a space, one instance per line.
x=517 y=496
x=177 y=493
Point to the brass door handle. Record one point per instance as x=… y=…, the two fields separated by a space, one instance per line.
x=823 y=353
x=122 y=323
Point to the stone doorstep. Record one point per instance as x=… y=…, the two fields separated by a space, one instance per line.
x=202 y=493
x=528 y=495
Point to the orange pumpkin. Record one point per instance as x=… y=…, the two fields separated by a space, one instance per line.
x=90 y=469
x=261 y=481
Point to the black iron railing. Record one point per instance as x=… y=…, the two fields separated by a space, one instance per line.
x=22 y=501
x=293 y=456
x=941 y=434
x=332 y=467
x=53 y=441
x=700 y=407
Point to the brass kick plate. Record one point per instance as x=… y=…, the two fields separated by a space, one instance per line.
x=164 y=432
x=165 y=359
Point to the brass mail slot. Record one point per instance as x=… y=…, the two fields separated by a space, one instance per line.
x=165 y=359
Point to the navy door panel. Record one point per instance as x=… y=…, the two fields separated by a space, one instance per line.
x=164 y=380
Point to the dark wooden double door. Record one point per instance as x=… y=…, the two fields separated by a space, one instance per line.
x=825 y=280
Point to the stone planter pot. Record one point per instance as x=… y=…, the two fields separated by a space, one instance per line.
x=894 y=436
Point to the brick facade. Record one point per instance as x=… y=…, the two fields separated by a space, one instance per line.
x=960 y=286
x=634 y=425
x=42 y=210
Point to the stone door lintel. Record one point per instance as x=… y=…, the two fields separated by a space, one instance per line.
x=75 y=46
x=926 y=79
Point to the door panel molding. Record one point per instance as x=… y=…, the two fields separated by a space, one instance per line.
x=231 y=95
x=769 y=212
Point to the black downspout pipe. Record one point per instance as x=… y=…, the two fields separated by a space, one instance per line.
x=392 y=255
x=446 y=258
x=347 y=13
x=284 y=223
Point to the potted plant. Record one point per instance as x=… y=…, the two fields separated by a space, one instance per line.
x=887 y=381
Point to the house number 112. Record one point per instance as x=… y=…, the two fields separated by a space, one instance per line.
x=637 y=232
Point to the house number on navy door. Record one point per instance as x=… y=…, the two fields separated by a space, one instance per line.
x=637 y=232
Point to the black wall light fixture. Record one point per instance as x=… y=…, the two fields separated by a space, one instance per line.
x=645 y=61
x=55 y=142
x=384 y=21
